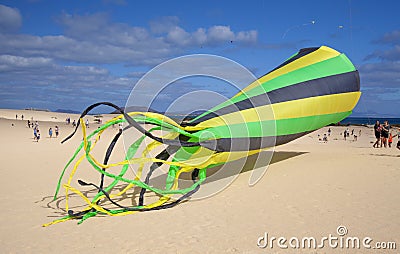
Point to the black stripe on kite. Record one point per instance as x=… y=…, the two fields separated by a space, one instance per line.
x=301 y=53
x=255 y=143
x=335 y=84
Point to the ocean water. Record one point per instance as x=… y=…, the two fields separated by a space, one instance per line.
x=369 y=120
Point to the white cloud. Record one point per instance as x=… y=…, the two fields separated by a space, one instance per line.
x=200 y=36
x=383 y=74
x=9 y=62
x=178 y=36
x=94 y=39
x=247 y=36
x=390 y=38
x=67 y=64
x=220 y=33
x=10 y=19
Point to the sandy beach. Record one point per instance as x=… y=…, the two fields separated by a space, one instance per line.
x=309 y=190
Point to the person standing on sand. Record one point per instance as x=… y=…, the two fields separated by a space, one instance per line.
x=325 y=138
x=29 y=124
x=390 y=140
x=377 y=130
x=56 y=131
x=329 y=132
x=37 y=135
x=385 y=133
x=34 y=134
x=50 y=132
x=16 y=117
x=22 y=117
x=87 y=123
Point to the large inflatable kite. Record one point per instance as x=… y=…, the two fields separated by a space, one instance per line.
x=313 y=88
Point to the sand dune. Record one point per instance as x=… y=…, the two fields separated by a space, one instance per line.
x=309 y=189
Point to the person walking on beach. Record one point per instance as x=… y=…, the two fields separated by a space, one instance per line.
x=329 y=132
x=345 y=135
x=87 y=123
x=37 y=135
x=385 y=133
x=22 y=117
x=377 y=130
x=73 y=123
x=56 y=131
x=29 y=124
x=325 y=138
x=50 y=132
x=16 y=117
x=34 y=134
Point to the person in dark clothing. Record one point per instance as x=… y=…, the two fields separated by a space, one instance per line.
x=377 y=130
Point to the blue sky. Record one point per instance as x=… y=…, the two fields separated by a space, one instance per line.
x=69 y=54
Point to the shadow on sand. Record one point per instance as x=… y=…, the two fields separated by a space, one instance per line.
x=247 y=164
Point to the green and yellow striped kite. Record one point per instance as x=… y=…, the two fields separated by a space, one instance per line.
x=313 y=88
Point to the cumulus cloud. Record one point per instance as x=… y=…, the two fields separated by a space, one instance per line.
x=95 y=39
x=384 y=74
x=391 y=54
x=380 y=79
x=390 y=47
x=12 y=63
x=392 y=37
x=40 y=82
x=213 y=36
x=10 y=19
x=67 y=63
x=380 y=84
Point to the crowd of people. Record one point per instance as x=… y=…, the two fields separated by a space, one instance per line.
x=52 y=131
x=384 y=135
x=383 y=132
x=36 y=132
x=68 y=121
x=346 y=134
